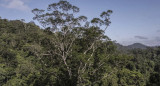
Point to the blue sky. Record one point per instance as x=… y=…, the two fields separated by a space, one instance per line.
x=132 y=20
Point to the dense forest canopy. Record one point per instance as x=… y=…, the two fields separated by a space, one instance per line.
x=71 y=51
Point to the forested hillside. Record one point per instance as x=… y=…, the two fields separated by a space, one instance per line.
x=70 y=51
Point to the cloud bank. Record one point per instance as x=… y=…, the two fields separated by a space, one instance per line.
x=15 y=4
x=140 y=37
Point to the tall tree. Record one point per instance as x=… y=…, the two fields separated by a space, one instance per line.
x=68 y=29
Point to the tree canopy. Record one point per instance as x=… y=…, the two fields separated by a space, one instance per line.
x=70 y=51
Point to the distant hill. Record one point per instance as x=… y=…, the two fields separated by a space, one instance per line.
x=137 y=45
x=129 y=47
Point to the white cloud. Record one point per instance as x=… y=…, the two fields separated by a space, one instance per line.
x=16 y=4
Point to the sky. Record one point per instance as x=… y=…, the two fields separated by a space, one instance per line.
x=132 y=20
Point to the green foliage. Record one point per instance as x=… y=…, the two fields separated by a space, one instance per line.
x=70 y=53
x=130 y=78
